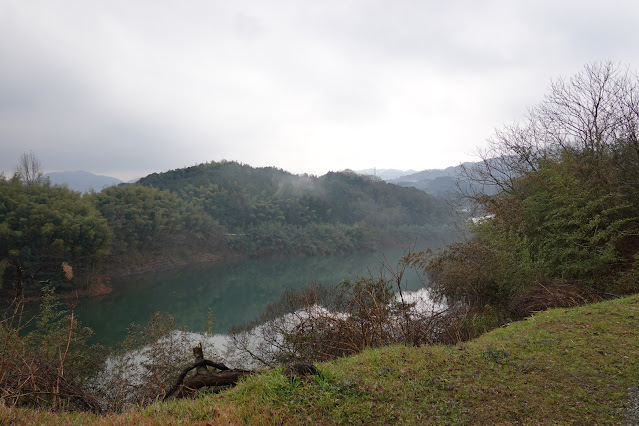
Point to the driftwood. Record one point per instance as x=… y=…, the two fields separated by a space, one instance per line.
x=225 y=377
x=203 y=377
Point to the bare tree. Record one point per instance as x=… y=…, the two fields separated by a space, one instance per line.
x=594 y=114
x=29 y=168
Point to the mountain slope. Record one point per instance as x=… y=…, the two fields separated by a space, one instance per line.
x=273 y=194
x=269 y=211
x=427 y=174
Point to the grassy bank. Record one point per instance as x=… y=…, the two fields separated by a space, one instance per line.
x=559 y=366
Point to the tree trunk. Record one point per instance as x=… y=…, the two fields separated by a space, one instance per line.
x=225 y=377
x=203 y=377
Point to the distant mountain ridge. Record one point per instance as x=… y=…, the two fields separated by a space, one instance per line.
x=428 y=174
x=441 y=182
x=82 y=181
x=385 y=174
x=431 y=181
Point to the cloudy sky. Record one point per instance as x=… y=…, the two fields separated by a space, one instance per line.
x=126 y=88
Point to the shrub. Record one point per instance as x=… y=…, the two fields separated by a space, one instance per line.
x=325 y=322
x=48 y=366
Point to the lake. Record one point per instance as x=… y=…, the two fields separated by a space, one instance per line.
x=236 y=292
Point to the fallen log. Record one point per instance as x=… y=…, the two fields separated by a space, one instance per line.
x=203 y=377
x=225 y=377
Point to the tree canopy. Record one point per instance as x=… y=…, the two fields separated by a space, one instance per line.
x=270 y=211
x=42 y=226
x=564 y=222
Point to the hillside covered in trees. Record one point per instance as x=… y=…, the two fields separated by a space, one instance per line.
x=270 y=211
x=205 y=212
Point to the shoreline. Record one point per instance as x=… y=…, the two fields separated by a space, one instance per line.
x=101 y=285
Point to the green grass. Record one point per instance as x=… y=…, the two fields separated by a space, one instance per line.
x=561 y=366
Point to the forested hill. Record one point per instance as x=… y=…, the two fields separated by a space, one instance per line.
x=273 y=211
x=205 y=212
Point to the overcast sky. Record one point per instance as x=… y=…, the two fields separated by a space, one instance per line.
x=126 y=88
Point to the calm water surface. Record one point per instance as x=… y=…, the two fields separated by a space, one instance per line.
x=236 y=292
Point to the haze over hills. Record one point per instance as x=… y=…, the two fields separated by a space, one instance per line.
x=428 y=174
x=385 y=174
x=431 y=181
x=82 y=181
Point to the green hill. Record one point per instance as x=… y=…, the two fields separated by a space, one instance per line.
x=577 y=365
x=267 y=211
x=208 y=212
x=268 y=193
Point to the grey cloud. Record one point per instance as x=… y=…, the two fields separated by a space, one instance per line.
x=163 y=84
x=247 y=26
x=352 y=103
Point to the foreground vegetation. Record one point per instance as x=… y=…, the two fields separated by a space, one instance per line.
x=560 y=366
x=561 y=223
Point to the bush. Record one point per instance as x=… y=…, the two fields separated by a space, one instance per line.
x=471 y=273
x=319 y=323
x=49 y=366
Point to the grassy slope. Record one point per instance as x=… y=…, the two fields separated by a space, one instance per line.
x=563 y=365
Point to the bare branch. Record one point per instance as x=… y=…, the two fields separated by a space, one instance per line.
x=29 y=169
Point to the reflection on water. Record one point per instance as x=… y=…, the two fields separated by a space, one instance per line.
x=236 y=292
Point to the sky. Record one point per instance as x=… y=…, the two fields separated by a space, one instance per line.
x=127 y=88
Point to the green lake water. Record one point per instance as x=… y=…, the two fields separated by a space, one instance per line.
x=236 y=292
